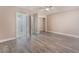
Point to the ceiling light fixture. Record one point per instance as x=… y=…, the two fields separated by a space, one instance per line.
x=47 y=9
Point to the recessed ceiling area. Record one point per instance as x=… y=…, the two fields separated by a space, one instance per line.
x=52 y=10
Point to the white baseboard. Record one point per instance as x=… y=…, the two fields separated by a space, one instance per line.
x=75 y=36
x=8 y=39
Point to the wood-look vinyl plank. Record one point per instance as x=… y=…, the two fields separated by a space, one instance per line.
x=42 y=43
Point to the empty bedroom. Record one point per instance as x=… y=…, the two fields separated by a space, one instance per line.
x=39 y=29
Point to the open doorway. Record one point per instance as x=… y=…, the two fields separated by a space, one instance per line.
x=43 y=21
x=22 y=32
x=20 y=25
x=43 y=25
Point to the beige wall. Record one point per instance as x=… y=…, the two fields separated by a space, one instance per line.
x=65 y=22
x=8 y=21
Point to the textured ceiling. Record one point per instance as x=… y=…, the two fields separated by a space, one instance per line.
x=56 y=9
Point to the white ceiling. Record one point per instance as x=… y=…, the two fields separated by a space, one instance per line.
x=56 y=9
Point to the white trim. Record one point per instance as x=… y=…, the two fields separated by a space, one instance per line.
x=8 y=39
x=75 y=36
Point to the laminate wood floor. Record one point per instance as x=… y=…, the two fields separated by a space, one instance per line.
x=54 y=43
x=42 y=43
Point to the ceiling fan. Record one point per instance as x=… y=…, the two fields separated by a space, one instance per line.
x=47 y=8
